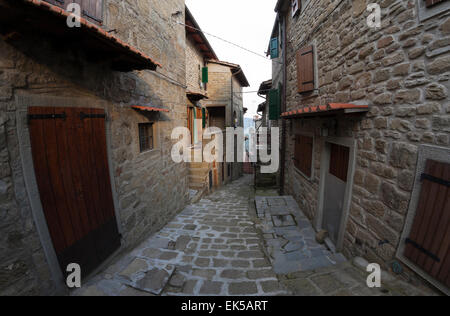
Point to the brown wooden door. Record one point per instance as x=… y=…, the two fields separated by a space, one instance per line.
x=72 y=173
x=429 y=240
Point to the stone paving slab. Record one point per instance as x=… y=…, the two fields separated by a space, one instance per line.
x=290 y=237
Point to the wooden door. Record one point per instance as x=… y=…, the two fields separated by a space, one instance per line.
x=72 y=173
x=335 y=190
x=428 y=244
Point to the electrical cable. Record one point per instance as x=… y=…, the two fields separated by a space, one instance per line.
x=226 y=41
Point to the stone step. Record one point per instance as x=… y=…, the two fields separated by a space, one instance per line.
x=199 y=165
x=197 y=179
x=197 y=186
x=200 y=172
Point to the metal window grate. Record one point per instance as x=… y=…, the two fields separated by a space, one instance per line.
x=146 y=136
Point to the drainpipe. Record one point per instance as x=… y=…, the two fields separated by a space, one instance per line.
x=283 y=109
x=231 y=120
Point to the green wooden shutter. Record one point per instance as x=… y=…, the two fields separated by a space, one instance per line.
x=205 y=74
x=274 y=104
x=203 y=117
x=274 y=52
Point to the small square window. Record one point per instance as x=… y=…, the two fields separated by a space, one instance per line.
x=146 y=136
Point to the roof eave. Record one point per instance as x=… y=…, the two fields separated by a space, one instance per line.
x=202 y=35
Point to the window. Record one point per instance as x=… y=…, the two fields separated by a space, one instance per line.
x=305 y=69
x=274 y=48
x=303 y=154
x=339 y=158
x=90 y=9
x=146 y=141
x=430 y=3
x=93 y=10
x=430 y=8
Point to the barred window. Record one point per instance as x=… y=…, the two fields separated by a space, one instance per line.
x=146 y=136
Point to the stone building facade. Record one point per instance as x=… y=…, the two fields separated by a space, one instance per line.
x=148 y=188
x=226 y=109
x=198 y=51
x=399 y=72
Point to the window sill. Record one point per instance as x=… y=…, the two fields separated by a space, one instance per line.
x=149 y=151
x=309 y=95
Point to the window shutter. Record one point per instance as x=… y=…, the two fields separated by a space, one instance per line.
x=430 y=3
x=274 y=104
x=203 y=117
x=92 y=10
x=274 y=48
x=303 y=154
x=428 y=245
x=296 y=7
x=205 y=74
x=305 y=69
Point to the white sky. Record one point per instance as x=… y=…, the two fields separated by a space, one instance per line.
x=247 y=23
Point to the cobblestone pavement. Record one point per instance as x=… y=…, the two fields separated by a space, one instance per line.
x=217 y=247
x=211 y=248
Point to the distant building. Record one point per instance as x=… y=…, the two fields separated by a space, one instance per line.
x=226 y=109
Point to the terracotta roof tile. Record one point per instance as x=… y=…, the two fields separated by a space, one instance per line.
x=149 y=108
x=324 y=109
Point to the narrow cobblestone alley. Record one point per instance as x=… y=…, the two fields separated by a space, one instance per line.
x=217 y=247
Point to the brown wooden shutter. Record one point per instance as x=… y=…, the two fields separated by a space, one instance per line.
x=305 y=69
x=430 y=3
x=303 y=154
x=339 y=159
x=91 y=10
x=429 y=240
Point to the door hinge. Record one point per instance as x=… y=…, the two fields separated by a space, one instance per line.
x=98 y=20
x=62 y=116
x=431 y=178
x=422 y=249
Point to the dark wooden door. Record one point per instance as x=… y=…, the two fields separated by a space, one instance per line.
x=72 y=173
x=429 y=240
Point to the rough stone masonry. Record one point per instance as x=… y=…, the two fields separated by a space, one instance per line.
x=402 y=71
x=149 y=189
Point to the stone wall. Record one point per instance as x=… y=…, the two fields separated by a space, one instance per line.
x=402 y=72
x=194 y=64
x=219 y=87
x=149 y=188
